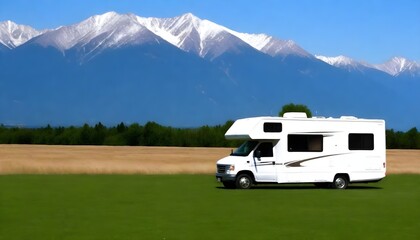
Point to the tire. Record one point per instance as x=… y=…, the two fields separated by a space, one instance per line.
x=243 y=181
x=340 y=182
x=229 y=185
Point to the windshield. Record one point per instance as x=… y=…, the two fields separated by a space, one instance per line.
x=245 y=148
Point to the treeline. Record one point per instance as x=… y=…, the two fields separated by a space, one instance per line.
x=153 y=134
x=403 y=140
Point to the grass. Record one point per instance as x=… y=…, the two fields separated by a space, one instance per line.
x=197 y=207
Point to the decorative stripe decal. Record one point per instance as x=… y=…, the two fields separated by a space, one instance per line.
x=266 y=164
x=317 y=132
x=297 y=163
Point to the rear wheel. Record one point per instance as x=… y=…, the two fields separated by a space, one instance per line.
x=244 y=181
x=340 y=182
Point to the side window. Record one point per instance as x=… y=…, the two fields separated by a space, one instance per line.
x=266 y=149
x=361 y=141
x=305 y=143
x=272 y=127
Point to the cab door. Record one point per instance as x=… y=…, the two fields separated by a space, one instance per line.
x=264 y=163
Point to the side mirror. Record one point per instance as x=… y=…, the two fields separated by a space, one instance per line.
x=257 y=154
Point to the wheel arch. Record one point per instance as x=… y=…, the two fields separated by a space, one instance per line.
x=248 y=173
x=346 y=175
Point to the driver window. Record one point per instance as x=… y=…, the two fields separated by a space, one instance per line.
x=266 y=149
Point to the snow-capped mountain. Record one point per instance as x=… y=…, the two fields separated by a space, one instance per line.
x=394 y=67
x=109 y=30
x=398 y=65
x=185 y=71
x=344 y=62
x=337 y=61
x=202 y=37
x=13 y=35
x=187 y=32
x=272 y=46
x=194 y=35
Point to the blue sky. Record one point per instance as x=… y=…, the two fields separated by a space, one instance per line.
x=366 y=30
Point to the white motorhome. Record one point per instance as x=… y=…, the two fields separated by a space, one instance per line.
x=296 y=149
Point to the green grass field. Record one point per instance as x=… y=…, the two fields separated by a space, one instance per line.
x=197 y=207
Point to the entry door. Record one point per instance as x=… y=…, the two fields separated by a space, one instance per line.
x=265 y=165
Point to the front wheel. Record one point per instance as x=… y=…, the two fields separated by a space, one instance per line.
x=340 y=182
x=244 y=181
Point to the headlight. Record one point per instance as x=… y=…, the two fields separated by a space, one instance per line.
x=230 y=169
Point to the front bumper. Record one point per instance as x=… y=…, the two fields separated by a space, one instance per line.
x=223 y=177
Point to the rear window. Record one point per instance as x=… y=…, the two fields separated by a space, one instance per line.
x=361 y=141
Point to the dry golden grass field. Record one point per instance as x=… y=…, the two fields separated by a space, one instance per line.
x=43 y=159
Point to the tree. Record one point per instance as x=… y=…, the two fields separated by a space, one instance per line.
x=121 y=127
x=412 y=138
x=391 y=139
x=98 y=134
x=295 y=108
x=85 y=135
x=133 y=135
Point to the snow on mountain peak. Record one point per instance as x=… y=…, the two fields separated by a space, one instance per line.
x=345 y=63
x=337 y=61
x=97 y=32
x=100 y=20
x=270 y=45
x=394 y=66
x=397 y=65
x=187 y=31
x=190 y=17
x=13 y=35
x=193 y=34
x=257 y=41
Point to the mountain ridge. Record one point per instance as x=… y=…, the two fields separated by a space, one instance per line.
x=394 y=67
x=13 y=35
x=185 y=71
x=169 y=30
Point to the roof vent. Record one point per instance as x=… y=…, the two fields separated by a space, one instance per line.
x=348 y=117
x=295 y=115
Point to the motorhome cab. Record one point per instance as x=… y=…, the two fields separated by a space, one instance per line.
x=296 y=149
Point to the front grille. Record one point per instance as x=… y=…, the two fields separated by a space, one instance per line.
x=221 y=168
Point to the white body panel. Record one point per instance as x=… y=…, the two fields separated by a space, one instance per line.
x=328 y=149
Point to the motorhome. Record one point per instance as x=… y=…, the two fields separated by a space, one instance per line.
x=329 y=152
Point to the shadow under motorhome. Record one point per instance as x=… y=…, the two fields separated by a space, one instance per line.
x=296 y=149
